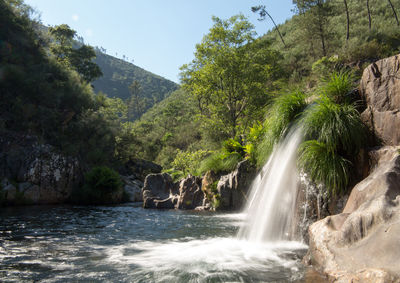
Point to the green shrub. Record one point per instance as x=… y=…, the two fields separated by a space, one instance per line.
x=324 y=166
x=220 y=162
x=338 y=126
x=338 y=87
x=100 y=183
x=189 y=162
x=285 y=110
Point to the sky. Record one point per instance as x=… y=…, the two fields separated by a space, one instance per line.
x=158 y=35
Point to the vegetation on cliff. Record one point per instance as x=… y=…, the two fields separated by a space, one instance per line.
x=238 y=97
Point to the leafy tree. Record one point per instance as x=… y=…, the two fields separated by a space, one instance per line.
x=229 y=73
x=137 y=104
x=79 y=59
x=315 y=20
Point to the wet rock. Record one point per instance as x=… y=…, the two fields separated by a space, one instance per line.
x=380 y=88
x=363 y=241
x=233 y=188
x=157 y=187
x=168 y=203
x=190 y=193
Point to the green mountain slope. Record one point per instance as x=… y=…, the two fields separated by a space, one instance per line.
x=119 y=74
x=303 y=45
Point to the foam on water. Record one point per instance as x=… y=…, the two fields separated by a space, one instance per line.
x=218 y=258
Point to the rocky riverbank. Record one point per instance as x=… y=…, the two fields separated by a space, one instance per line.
x=361 y=244
x=227 y=192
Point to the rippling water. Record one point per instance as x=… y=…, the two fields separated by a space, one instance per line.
x=129 y=244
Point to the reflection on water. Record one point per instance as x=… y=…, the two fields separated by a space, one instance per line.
x=130 y=244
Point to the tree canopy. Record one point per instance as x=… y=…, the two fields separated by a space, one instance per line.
x=230 y=74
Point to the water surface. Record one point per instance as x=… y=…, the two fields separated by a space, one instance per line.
x=129 y=244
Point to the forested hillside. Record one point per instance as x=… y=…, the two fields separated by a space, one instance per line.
x=118 y=76
x=368 y=32
x=316 y=43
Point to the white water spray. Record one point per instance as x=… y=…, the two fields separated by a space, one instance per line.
x=271 y=205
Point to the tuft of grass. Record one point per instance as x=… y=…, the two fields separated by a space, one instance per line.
x=220 y=162
x=285 y=110
x=324 y=166
x=338 y=126
x=338 y=86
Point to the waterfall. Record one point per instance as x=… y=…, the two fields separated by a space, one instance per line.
x=271 y=204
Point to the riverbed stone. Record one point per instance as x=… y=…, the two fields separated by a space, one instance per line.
x=233 y=188
x=190 y=193
x=157 y=187
x=133 y=188
x=363 y=241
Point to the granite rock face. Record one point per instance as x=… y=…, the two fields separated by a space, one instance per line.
x=362 y=243
x=157 y=187
x=380 y=89
x=233 y=188
x=39 y=173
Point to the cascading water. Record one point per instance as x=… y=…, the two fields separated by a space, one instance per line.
x=127 y=243
x=270 y=209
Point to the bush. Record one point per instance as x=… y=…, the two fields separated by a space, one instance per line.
x=189 y=162
x=324 y=166
x=285 y=110
x=338 y=126
x=220 y=162
x=100 y=183
x=338 y=87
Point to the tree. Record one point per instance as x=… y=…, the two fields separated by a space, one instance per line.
x=262 y=11
x=79 y=59
x=229 y=74
x=394 y=12
x=137 y=104
x=369 y=15
x=315 y=20
x=348 y=20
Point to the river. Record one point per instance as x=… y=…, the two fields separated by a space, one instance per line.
x=126 y=243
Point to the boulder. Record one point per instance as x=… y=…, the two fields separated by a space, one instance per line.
x=380 y=89
x=157 y=187
x=233 y=188
x=362 y=243
x=190 y=193
x=133 y=188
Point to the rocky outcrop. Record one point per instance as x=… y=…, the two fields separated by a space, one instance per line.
x=35 y=173
x=157 y=189
x=190 y=193
x=380 y=89
x=362 y=243
x=233 y=188
x=139 y=169
x=132 y=188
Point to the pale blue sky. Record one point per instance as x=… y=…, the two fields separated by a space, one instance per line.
x=160 y=35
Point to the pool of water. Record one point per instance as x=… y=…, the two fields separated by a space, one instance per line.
x=129 y=244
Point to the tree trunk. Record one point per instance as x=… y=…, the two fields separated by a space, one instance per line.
x=369 y=16
x=348 y=20
x=280 y=35
x=321 y=29
x=394 y=12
